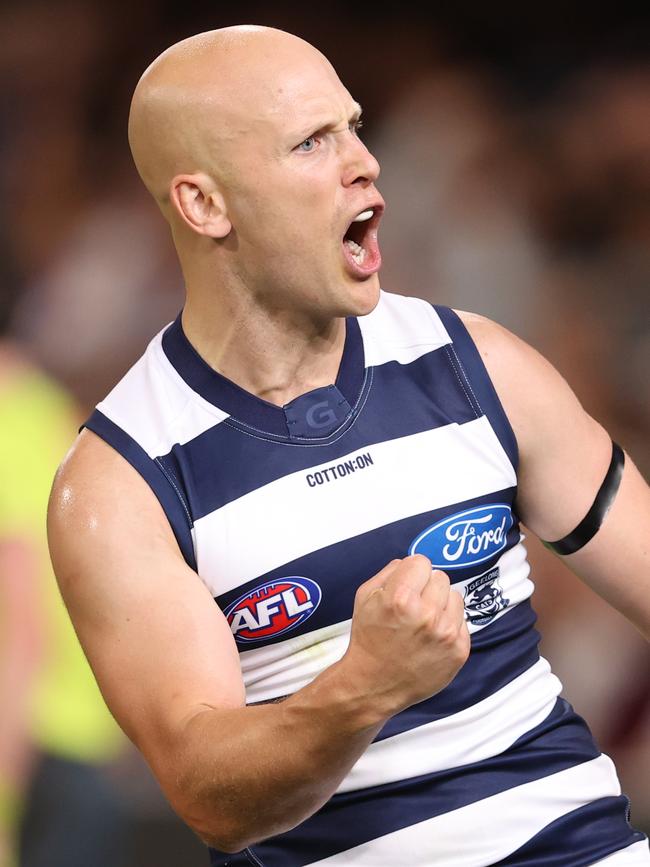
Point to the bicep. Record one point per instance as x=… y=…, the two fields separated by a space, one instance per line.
x=564 y=457
x=157 y=642
x=616 y=561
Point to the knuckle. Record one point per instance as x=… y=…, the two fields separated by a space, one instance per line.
x=456 y=604
x=431 y=626
x=441 y=577
x=400 y=601
x=447 y=635
x=361 y=595
x=463 y=643
x=439 y=629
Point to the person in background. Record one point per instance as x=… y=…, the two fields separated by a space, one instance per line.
x=57 y=805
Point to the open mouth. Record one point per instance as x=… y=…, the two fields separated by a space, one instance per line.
x=360 y=242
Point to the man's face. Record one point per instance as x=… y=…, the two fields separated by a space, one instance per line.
x=300 y=178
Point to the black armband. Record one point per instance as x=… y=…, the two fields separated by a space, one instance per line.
x=590 y=524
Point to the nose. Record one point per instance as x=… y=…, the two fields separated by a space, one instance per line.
x=359 y=165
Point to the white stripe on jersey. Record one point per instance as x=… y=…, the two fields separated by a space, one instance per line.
x=156 y=407
x=409 y=475
x=636 y=855
x=401 y=329
x=485 y=729
x=285 y=667
x=488 y=830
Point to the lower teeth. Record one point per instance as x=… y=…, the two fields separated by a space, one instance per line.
x=358 y=253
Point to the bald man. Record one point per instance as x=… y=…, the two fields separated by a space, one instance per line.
x=343 y=471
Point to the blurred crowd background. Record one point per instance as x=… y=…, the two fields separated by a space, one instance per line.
x=515 y=153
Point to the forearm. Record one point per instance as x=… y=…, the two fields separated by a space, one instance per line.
x=240 y=775
x=245 y=774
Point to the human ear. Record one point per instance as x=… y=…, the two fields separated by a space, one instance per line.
x=200 y=205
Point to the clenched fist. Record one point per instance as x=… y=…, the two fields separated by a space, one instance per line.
x=409 y=638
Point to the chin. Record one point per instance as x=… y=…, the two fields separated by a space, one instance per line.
x=364 y=296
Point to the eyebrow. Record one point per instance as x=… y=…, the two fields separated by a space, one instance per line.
x=315 y=129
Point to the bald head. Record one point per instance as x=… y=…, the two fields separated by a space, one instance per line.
x=203 y=96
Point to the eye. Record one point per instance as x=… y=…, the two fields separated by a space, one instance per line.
x=355 y=126
x=308 y=145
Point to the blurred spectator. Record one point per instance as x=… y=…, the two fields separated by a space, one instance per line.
x=88 y=246
x=108 y=289
x=56 y=734
x=455 y=178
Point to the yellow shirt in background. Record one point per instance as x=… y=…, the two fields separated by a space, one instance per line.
x=37 y=426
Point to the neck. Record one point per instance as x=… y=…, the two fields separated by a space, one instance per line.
x=276 y=355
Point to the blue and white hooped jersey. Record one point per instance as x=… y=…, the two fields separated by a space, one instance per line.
x=285 y=511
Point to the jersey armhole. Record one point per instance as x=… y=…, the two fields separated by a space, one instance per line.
x=478 y=380
x=166 y=490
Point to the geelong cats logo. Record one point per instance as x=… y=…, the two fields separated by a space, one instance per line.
x=484 y=598
x=465 y=538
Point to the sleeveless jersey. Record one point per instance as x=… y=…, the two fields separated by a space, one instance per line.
x=285 y=511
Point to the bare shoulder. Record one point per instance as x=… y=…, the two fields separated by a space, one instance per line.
x=533 y=392
x=509 y=359
x=101 y=512
x=93 y=470
x=94 y=485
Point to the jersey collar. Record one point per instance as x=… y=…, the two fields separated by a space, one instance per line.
x=314 y=415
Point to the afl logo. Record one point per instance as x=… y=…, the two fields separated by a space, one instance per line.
x=466 y=538
x=273 y=608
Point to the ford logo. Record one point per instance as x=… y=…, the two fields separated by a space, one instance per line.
x=465 y=538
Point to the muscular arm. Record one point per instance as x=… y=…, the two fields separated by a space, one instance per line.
x=167 y=664
x=564 y=456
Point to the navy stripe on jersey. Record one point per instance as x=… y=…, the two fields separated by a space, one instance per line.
x=472 y=366
x=339 y=569
x=352 y=818
x=579 y=838
x=164 y=486
x=351 y=369
x=243 y=405
x=409 y=392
